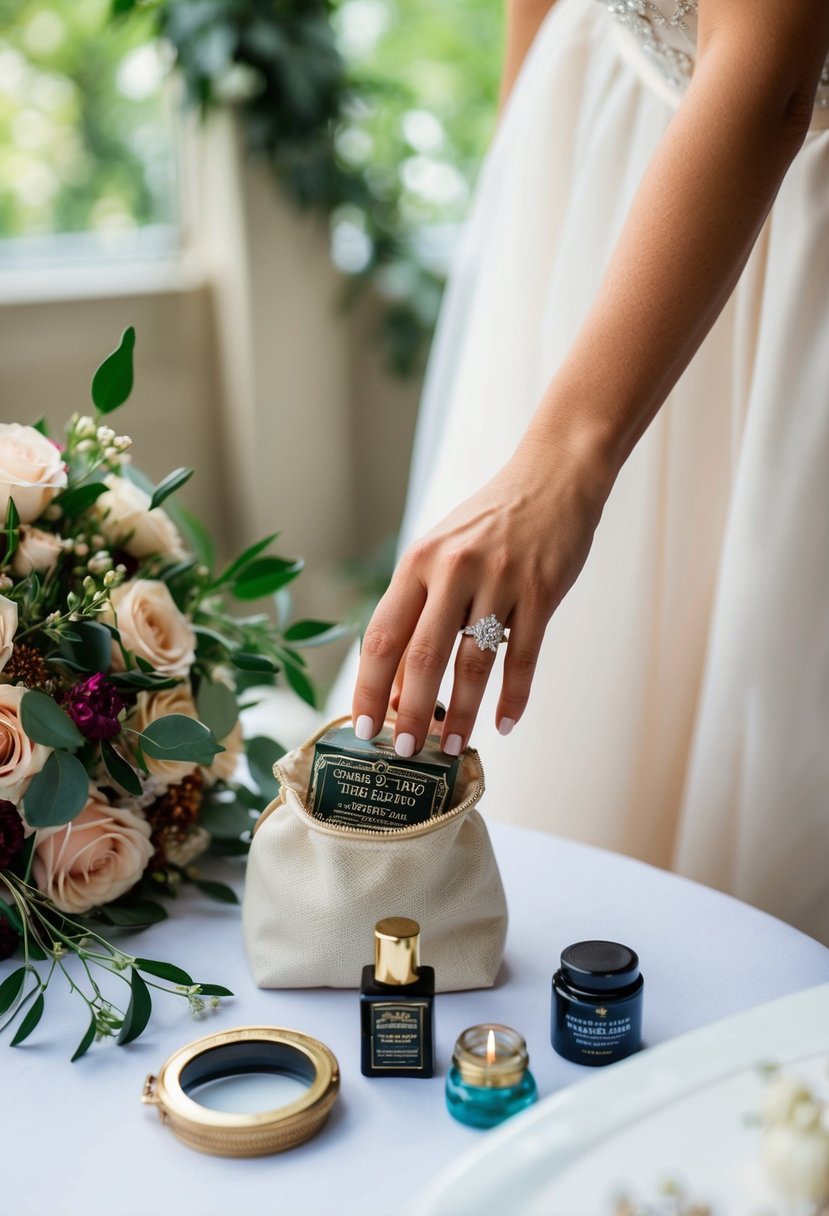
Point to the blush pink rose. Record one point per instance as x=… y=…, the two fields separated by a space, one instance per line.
x=20 y=759
x=151 y=626
x=31 y=470
x=93 y=859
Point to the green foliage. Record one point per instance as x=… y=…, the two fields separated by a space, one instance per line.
x=172 y=482
x=58 y=793
x=84 y=145
x=177 y=737
x=263 y=754
x=112 y=382
x=45 y=722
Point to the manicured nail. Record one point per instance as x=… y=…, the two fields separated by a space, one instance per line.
x=505 y=725
x=440 y=711
x=453 y=745
x=364 y=727
x=404 y=745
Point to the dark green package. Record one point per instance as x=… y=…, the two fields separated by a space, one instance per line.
x=366 y=785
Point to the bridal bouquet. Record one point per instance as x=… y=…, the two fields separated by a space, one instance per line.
x=121 y=673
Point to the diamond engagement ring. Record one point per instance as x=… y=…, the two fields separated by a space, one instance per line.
x=488 y=633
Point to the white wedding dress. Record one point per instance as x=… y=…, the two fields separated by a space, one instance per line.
x=680 y=710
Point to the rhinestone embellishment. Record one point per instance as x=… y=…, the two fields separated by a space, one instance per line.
x=488 y=633
x=647 y=22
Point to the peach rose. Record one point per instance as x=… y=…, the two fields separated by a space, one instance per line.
x=8 y=628
x=152 y=627
x=151 y=706
x=224 y=764
x=36 y=550
x=20 y=759
x=127 y=521
x=93 y=859
x=31 y=470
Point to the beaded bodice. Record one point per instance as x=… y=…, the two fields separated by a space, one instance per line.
x=666 y=33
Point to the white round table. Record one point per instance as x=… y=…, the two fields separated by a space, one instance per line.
x=78 y=1142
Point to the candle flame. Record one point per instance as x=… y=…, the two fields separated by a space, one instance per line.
x=490 y=1047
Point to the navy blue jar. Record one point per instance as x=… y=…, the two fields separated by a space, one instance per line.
x=597 y=1003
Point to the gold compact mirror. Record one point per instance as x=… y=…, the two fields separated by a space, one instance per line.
x=246 y=1092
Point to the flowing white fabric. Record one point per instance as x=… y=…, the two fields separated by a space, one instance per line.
x=680 y=710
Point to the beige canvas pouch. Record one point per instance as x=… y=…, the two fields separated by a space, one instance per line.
x=314 y=891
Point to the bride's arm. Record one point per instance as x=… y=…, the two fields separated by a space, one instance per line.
x=693 y=222
x=516 y=547
x=524 y=19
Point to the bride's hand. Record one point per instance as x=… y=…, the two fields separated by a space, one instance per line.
x=513 y=549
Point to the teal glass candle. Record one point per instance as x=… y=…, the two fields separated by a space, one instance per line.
x=490 y=1078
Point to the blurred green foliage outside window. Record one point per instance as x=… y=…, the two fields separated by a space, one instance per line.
x=86 y=140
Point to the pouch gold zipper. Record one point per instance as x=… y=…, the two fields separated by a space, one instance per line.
x=416 y=829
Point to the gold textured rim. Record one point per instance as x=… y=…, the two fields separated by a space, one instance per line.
x=245 y=1135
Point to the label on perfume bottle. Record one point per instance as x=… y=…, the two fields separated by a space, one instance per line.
x=364 y=784
x=397 y=1035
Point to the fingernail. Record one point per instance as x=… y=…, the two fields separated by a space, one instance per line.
x=440 y=711
x=505 y=725
x=364 y=727
x=453 y=745
x=404 y=745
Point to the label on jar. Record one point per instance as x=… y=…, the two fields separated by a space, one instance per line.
x=397 y=1035
x=601 y=1034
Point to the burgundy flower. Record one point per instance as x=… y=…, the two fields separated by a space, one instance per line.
x=11 y=836
x=94 y=706
x=9 y=938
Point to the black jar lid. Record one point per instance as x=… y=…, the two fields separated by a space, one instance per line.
x=600 y=966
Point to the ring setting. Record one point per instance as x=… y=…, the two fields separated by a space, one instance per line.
x=488 y=633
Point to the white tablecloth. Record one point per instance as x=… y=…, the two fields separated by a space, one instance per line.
x=76 y=1140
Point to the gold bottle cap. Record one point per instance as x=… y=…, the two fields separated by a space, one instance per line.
x=396 y=950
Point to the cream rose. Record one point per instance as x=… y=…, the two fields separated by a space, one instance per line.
x=152 y=627
x=224 y=764
x=20 y=759
x=36 y=550
x=151 y=706
x=126 y=520
x=8 y=628
x=93 y=859
x=31 y=470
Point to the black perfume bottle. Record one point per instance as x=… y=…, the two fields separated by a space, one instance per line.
x=396 y=1004
x=597 y=1003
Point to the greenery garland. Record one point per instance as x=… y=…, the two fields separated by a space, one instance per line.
x=277 y=63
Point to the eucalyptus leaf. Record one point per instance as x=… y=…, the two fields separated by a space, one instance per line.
x=80 y=498
x=11 y=988
x=140 y=680
x=164 y=971
x=112 y=382
x=177 y=737
x=265 y=576
x=226 y=819
x=246 y=661
x=214 y=990
x=301 y=685
x=216 y=890
x=138 y=1012
x=58 y=792
x=121 y=772
x=92 y=651
x=30 y=1021
x=45 y=722
x=133 y=915
x=87 y=1040
x=218 y=707
x=262 y=754
x=238 y=564
x=172 y=482
x=320 y=637
x=12 y=531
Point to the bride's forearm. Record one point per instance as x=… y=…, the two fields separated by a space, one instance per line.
x=688 y=234
x=524 y=19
